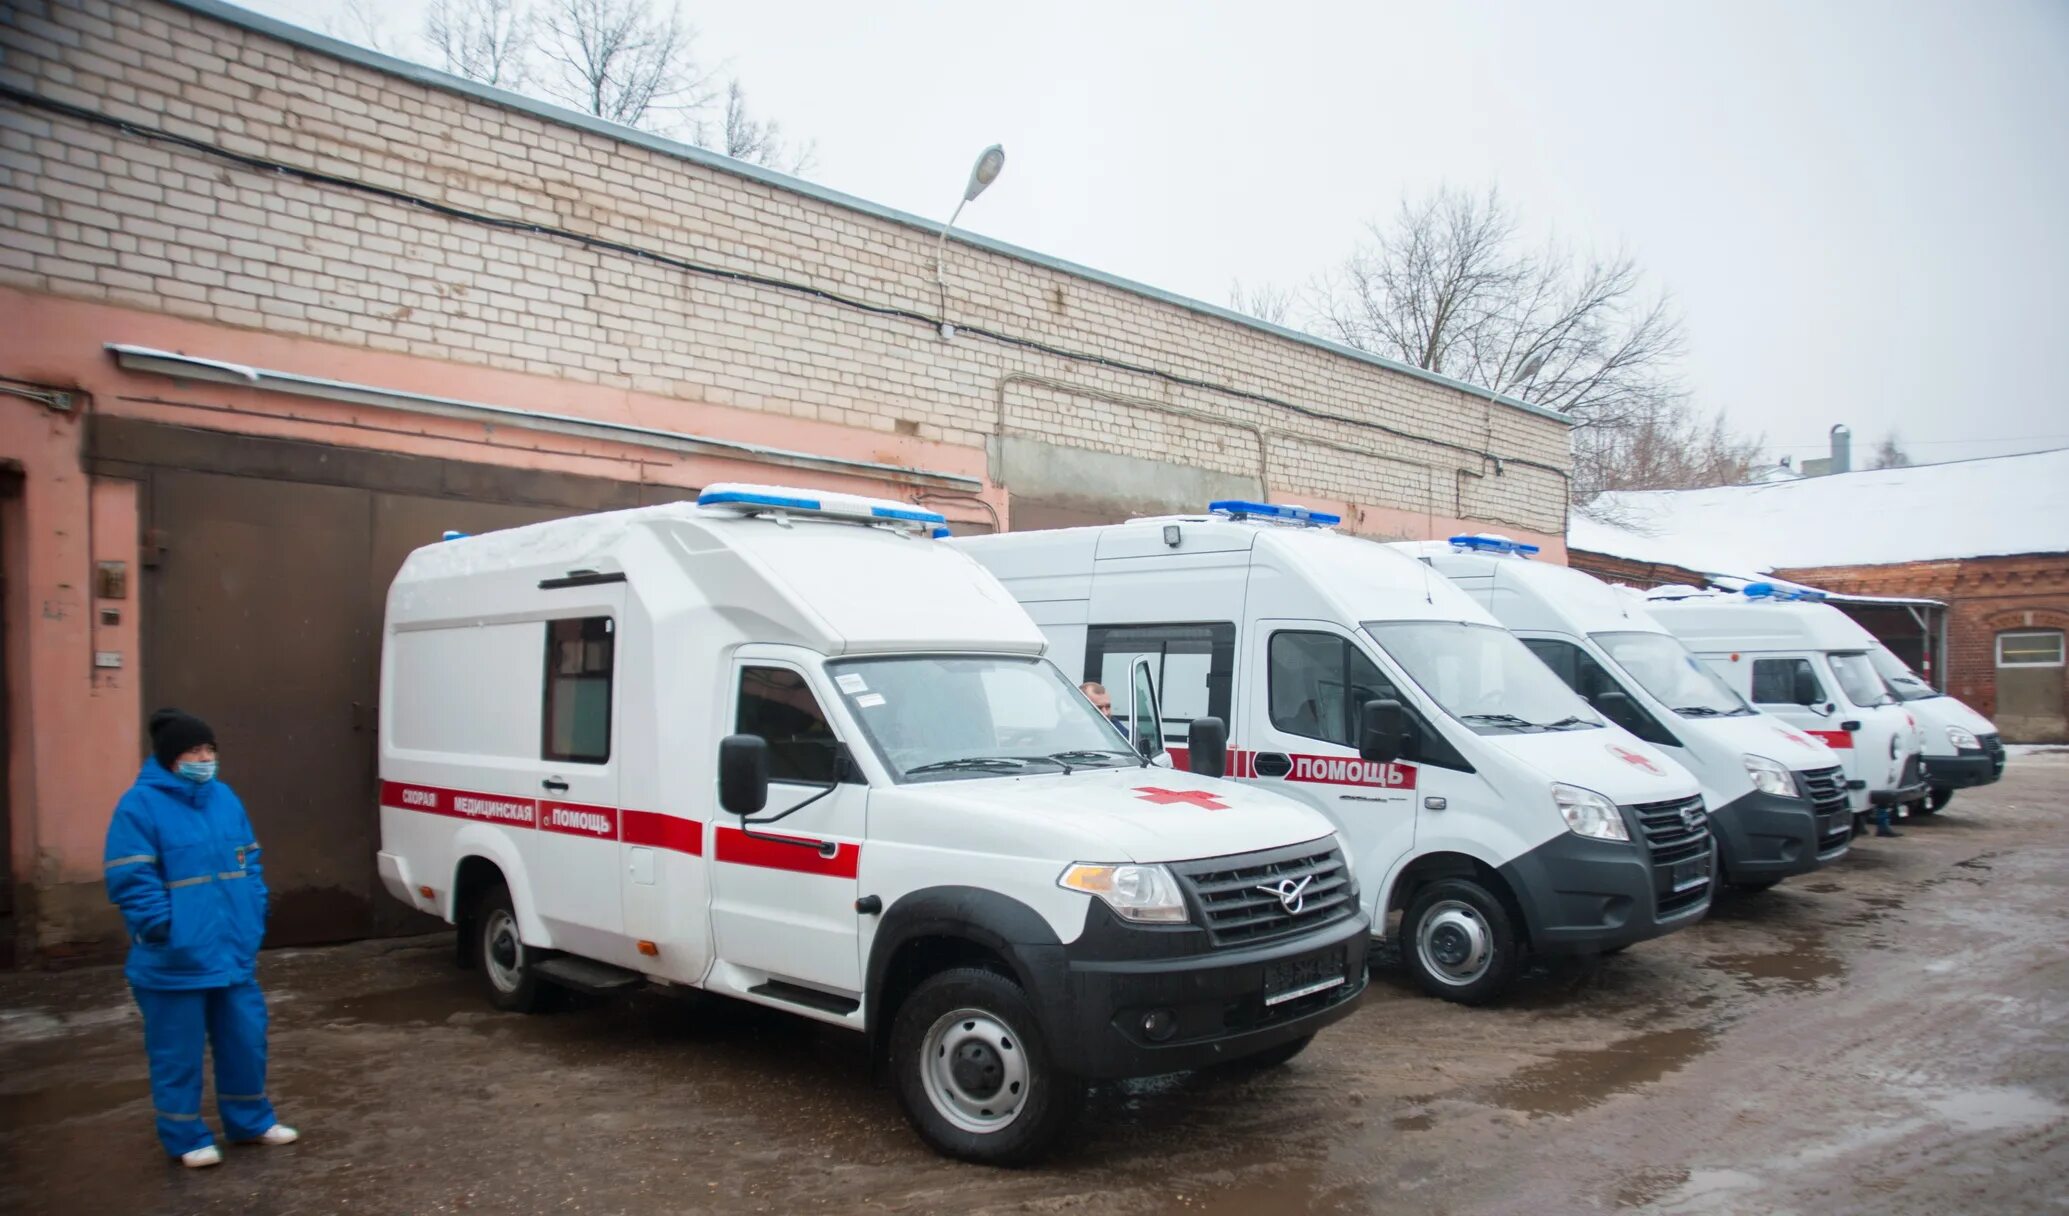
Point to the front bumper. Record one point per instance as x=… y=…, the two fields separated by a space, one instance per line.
x=1963 y=770
x=1899 y=796
x=1093 y=1004
x=1585 y=896
x=1762 y=837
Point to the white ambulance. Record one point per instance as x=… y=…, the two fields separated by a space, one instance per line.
x=789 y=747
x=1484 y=802
x=1962 y=748
x=1777 y=797
x=1808 y=664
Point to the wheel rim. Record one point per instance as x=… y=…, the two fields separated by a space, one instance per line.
x=975 y=1071
x=1455 y=942
x=502 y=951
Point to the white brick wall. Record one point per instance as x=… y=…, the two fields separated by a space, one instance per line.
x=95 y=213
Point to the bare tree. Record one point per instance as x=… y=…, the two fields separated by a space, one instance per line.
x=362 y=22
x=744 y=137
x=1448 y=286
x=1266 y=302
x=1889 y=454
x=483 y=40
x=627 y=61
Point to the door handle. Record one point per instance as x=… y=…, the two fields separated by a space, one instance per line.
x=555 y=784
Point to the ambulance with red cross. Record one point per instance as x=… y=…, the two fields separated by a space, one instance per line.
x=795 y=749
x=1490 y=811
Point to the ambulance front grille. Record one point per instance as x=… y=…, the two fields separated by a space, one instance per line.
x=1251 y=897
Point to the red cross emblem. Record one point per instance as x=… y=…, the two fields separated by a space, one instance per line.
x=1634 y=760
x=1163 y=797
x=1794 y=737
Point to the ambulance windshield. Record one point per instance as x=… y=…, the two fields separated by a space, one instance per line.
x=1483 y=676
x=1901 y=679
x=1664 y=668
x=1857 y=676
x=937 y=718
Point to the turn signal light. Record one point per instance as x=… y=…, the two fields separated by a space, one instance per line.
x=426 y=892
x=649 y=949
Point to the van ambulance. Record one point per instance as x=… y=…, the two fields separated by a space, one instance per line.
x=791 y=748
x=1962 y=748
x=1777 y=797
x=1485 y=803
x=1807 y=663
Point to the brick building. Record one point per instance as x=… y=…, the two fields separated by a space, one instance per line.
x=278 y=310
x=1961 y=568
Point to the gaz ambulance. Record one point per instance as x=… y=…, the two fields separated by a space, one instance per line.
x=1807 y=663
x=1486 y=805
x=791 y=748
x=1777 y=797
x=1962 y=748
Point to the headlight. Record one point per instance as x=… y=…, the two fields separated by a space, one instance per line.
x=1769 y=777
x=1589 y=813
x=1139 y=893
x=1963 y=740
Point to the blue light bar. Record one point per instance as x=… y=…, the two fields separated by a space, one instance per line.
x=1494 y=544
x=1238 y=509
x=941 y=534
x=909 y=515
x=1768 y=591
x=720 y=498
x=452 y=535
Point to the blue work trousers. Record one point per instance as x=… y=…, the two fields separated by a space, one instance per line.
x=178 y=1024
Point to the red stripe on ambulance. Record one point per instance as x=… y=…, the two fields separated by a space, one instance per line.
x=575 y=819
x=461 y=804
x=1832 y=738
x=804 y=856
x=669 y=832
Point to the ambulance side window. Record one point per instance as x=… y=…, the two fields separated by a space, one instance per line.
x=1319 y=684
x=1774 y=681
x=1193 y=665
x=579 y=658
x=777 y=704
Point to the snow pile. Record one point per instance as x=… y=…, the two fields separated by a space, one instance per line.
x=1969 y=508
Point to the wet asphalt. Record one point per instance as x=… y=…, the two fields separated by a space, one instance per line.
x=1890 y=1035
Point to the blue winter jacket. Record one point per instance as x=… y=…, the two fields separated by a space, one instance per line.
x=183 y=866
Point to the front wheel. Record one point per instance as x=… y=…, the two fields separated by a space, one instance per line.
x=974 y=1073
x=509 y=966
x=1458 y=942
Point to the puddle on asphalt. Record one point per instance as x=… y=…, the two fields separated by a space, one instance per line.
x=1641 y=1187
x=1414 y=1123
x=434 y=1001
x=1574 y=1080
x=41 y=1107
x=1803 y=964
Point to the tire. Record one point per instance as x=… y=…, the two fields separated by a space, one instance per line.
x=964 y=1044
x=1272 y=1057
x=1459 y=943
x=514 y=984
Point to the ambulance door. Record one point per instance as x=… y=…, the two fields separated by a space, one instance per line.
x=572 y=857
x=1794 y=689
x=1306 y=684
x=784 y=880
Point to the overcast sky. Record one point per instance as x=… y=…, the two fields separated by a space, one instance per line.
x=1862 y=209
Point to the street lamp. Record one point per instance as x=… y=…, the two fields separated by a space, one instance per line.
x=982 y=174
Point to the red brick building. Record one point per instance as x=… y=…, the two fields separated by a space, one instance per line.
x=1986 y=539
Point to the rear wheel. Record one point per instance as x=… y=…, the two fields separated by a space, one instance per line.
x=974 y=1073
x=507 y=964
x=1458 y=942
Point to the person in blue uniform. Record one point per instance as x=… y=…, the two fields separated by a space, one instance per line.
x=183 y=866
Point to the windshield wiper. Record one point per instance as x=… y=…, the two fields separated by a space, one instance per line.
x=1501 y=720
x=1696 y=711
x=1566 y=723
x=1085 y=755
x=984 y=762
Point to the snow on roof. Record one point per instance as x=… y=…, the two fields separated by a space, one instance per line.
x=1967 y=508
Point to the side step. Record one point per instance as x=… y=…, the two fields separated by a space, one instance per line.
x=810 y=998
x=588 y=975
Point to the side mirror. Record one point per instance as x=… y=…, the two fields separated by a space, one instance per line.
x=1145 y=725
x=743 y=774
x=1805 y=689
x=1382 y=732
x=1207 y=747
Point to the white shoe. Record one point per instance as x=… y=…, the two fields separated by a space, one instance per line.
x=279 y=1133
x=203 y=1157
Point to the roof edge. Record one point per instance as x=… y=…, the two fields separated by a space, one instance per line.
x=285 y=31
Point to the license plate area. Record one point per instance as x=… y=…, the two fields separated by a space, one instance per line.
x=1293 y=978
x=1690 y=874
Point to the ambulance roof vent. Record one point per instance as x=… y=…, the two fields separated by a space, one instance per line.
x=1283 y=512
x=1488 y=542
x=1768 y=591
x=784 y=502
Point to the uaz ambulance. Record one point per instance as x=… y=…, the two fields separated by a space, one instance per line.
x=1962 y=748
x=1806 y=663
x=1485 y=803
x=1777 y=797
x=789 y=747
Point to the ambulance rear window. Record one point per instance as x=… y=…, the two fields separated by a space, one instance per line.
x=579 y=657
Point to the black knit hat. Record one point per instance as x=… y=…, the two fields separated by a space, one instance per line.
x=174 y=733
